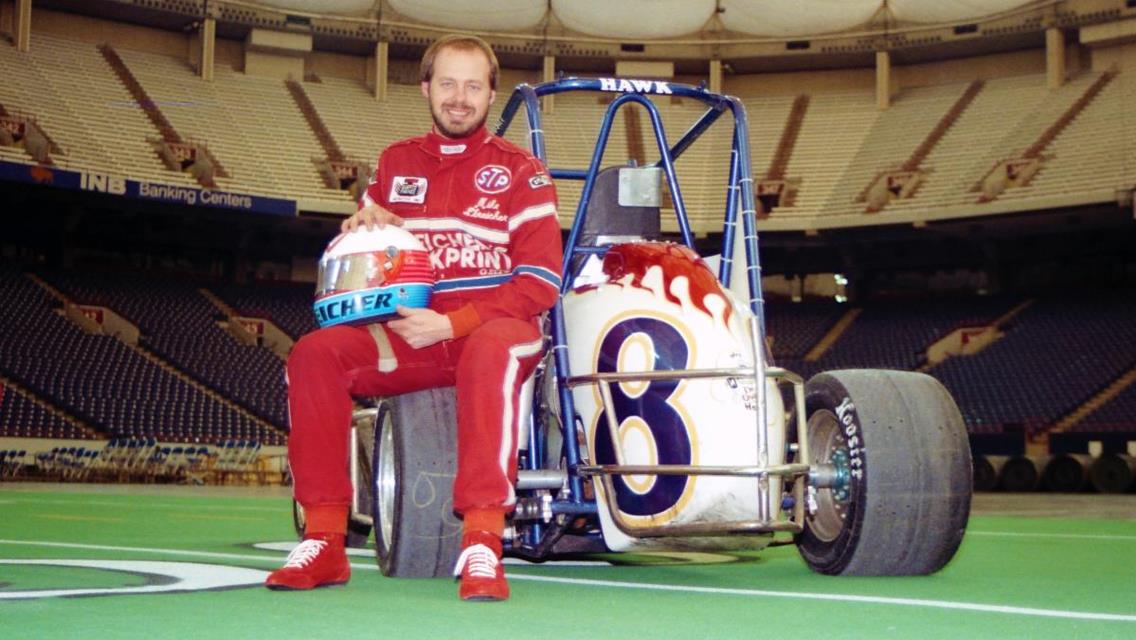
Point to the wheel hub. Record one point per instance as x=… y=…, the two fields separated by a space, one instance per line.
x=839 y=487
x=829 y=489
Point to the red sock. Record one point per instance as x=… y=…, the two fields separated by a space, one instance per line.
x=326 y=518
x=490 y=521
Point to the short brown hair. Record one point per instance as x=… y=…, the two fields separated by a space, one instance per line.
x=461 y=43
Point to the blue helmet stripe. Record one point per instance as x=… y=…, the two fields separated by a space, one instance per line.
x=370 y=305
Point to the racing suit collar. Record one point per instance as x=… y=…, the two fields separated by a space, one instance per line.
x=443 y=147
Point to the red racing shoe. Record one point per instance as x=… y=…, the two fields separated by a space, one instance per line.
x=479 y=568
x=319 y=561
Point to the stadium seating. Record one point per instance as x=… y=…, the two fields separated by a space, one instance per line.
x=1055 y=355
x=25 y=417
x=26 y=88
x=94 y=96
x=129 y=460
x=252 y=126
x=797 y=327
x=276 y=131
x=835 y=129
x=180 y=325
x=12 y=462
x=1052 y=358
x=1118 y=414
x=67 y=463
x=894 y=135
x=104 y=382
x=1095 y=153
x=194 y=108
x=362 y=125
x=245 y=120
x=896 y=334
x=287 y=304
x=970 y=148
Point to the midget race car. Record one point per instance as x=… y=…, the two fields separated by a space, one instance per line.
x=657 y=419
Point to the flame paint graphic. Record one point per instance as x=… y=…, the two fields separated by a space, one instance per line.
x=686 y=280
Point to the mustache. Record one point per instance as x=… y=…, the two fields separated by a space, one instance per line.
x=456 y=104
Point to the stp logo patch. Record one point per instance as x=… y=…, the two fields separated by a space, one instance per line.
x=493 y=178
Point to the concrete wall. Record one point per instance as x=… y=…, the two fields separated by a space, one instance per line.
x=793 y=83
x=271 y=65
x=1016 y=63
x=118 y=34
x=1121 y=55
x=229 y=53
x=8 y=19
x=403 y=71
x=509 y=78
x=337 y=65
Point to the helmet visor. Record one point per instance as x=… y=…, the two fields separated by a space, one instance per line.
x=357 y=271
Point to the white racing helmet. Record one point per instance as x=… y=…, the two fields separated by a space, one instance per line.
x=366 y=273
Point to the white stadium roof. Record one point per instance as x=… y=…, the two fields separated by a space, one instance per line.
x=651 y=19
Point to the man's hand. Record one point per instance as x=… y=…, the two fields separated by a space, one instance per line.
x=370 y=216
x=421 y=327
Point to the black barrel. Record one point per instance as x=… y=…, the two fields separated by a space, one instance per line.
x=1113 y=473
x=987 y=470
x=1022 y=473
x=1067 y=473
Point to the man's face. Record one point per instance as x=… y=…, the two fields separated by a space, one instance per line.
x=459 y=92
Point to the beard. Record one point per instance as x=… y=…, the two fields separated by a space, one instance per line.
x=460 y=131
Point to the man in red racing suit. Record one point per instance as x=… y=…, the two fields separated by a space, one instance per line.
x=486 y=211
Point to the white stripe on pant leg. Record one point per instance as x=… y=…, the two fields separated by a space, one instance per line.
x=508 y=390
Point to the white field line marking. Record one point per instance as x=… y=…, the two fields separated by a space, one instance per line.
x=186 y=576
x=839 y=597
x=282 y=547
x=370 y=553
x=1068 y=536
x=829 y=597
x=148 y=505
x=170 y=552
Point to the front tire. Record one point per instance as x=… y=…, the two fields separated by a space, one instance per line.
x=417 y=534
x=902 y=459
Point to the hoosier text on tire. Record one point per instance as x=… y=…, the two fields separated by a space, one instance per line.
x=900 y=442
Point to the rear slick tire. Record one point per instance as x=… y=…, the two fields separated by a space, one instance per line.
x=905 y=455
x=417 y=534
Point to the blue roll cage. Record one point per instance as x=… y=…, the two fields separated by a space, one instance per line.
x=740 y=193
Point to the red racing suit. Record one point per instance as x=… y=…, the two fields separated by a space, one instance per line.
x=486 y=211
